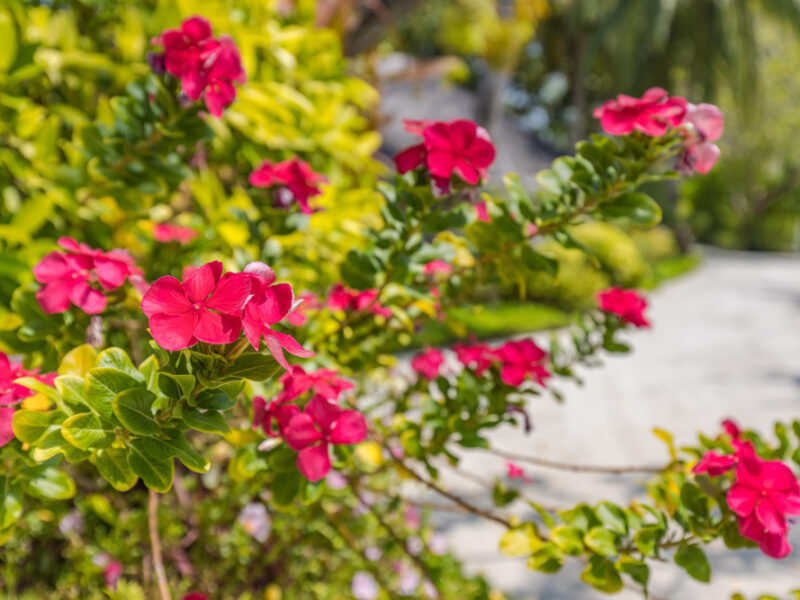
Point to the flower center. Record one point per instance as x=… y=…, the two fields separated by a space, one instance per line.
x=197 y=306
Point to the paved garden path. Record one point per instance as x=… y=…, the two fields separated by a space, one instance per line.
x=725 y=343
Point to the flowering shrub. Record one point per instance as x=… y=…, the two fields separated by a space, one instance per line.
x=187 y=376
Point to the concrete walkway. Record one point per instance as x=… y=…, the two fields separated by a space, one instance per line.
x=725 y=343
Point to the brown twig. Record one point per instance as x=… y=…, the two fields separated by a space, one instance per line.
x=155 y=546
x=551 y=464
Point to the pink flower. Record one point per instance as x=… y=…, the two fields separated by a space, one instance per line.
x=277 y=411
x=628 y=305
x=651 y=114
x=438 y=266
x=112 y=574
x=6 y=418
x=715 y=464
x=206 y=67
x=482 y=212
x=308 y=302
x=76 y=275
x=342 y=298
x=764 y=494
x=449 y=147
x=477 y=357
x=732 y=429
x=12 y=393
x=173 y=233
x=324 y=382
x=428 y=363
x=312 y=432
x=194 y=596
x=294 y=179
x=520 y=359
x=206 y=307
x=704 y=124
x=267 y=305
x=517 y=472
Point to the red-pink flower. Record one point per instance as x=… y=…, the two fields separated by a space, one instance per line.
x=194 y=596
x=269 y=303
x=312 y=432
x=428 y=363
x=342 y=298
x=6 y=418
x=278 y=411
x=703 y=124
x=293 y=179
x=308 y=302
x=457 y=147
x=438 y=266
x=12 y=393
x=206 y=67
x=763 y=495
x=715 y=464
x=520 y=359
x=164 y=232
x=207 y=307
x=75 y=276
x=517 y=472
x=112 y=573
x=482 y=211
x=477 y=357
x=651 y=114
x=323 y=382
x=628 y=305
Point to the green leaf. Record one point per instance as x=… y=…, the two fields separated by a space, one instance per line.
x=547 y=559
x=8 y=42
x=72 y=389
x=47 y=483
x=520 y=541
x=694 y=499
x=112 y=464
x=175 y=446
x=209 y=421
x=214 y=399
x=30 y=426
x=39 y=386
x=149 y=369
x=10 y=502
x=602 y=575
x=102 y=386
x=539 y=262
x=637 y=569
x=245 y=464
x=360 y=269
x=53 y=443
x=86 y=431
x=285 y=488
x=176 y=386
x=253 y=366
x=568 y=539
x=78 y=361
x=694 y=560
x=639 y=208
x=647 y=539
x=612 y=517
x=602 y=540
x=134 y=409
x=118 y=359
x=443 y=220
x=156 y=474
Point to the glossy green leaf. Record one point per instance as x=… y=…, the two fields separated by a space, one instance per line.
x=568 y=539
x=176 y=386
x=602 y=575
x=637 y=569
x=116 y=358
x=602 y=540
x=539 y=262
x=175 y=445
x=637 y=207
x=253 y=366
x=156 y=474
x=30 y=426
x=112 y=464
x=47 y=483
x=694 y=560
x=209 y=421
x=547 y=559
x=214 y=399
x=134 y=409
x=103 y=384
x=87 y=432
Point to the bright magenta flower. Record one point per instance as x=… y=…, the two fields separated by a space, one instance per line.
x=764 y=494
x=477 y=357
x=206 y=67
x=520 y=359
x=428 y=363
x=269 y=303
x=278 y=411
x=514 y=471
x=715 y=464
x=704 y=124
x=112 y=573
x=482 y=212
x=312 y=432
x=76 y=275
x=438 y=266
x=323 y=382
x=342 y=298
x=294 y=179
x=457 y=147
x=12 y=393
x=309 y=302
x=164 y=232
x=207 y=307
x=628 y=305
x=651 y=114
x=6 y=418
x=194 y=596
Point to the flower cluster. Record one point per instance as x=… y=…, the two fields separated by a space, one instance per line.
x=213 y=307
x=319 y=425
x=457 y=147
x=12 y=393
x=206 y=66
x=308 y=301
x=517 y=360
x=628 y=305
x=293 y=180
x=656 y=112
x=763 y=494
x=80 y=276
x=164 y=233
x=343 y=298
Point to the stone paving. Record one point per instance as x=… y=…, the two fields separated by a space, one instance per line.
x=725 y=343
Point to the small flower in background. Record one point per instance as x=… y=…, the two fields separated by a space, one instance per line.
x=343 y=298
x=457 y=147
x=293 y=179
x=80 y=276
x=255 y=521
x=477 y=357
x=195 y=596
x=71 y=523
x=207 y=307
x=703 y=125
x=437 y=544
x=6 y=419
x=309 y=301
x=438 y=266
x=13 y=393
x=164 y=233
x=520 y=359
x=715 y=464
x=429 y=589
x=412 y=517
x=268 y=304
x=336 y=481
x=652 y=114
x=408 y=582
x=325 y=382
x=628 y=305
x=207 y=67
x=277 y=410
x=312 y=432
x=112 y=573
x=515 y=472
x=364 y=586
x=414 y=545
x=372 y=553
x=428 y=363
x=482 y=211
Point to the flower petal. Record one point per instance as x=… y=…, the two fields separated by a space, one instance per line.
x=6 y=432
x=229 y=295
x=742 y=500
x=54 y=297
x=173 y=332
x=53 y=266
x=217 y=328
x=300 y=432
x=350 y=428
x=88 y=299
x=291 y=345
x=166 y=296
x=315 y=462
x=324 y=412
x=202 y=281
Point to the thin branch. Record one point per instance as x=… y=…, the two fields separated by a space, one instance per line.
x=551 y=464
x=155 y=545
